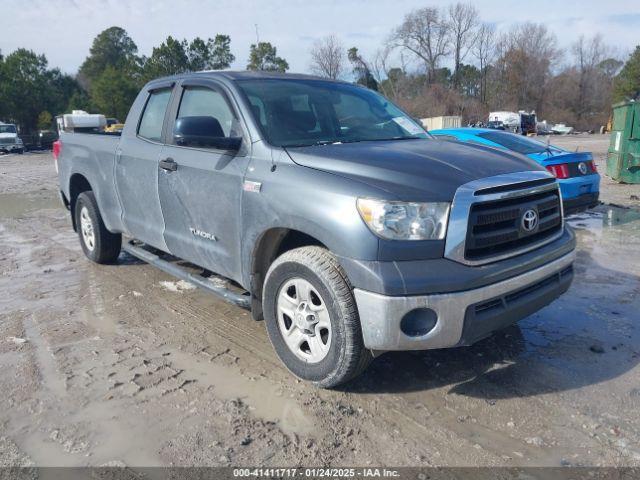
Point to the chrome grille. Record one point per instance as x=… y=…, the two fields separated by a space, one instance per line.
x=486 y=214
x=495 y=227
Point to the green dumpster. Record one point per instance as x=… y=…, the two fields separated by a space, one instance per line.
x=623 y=159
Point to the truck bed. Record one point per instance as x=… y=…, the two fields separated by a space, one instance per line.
x=92 y=155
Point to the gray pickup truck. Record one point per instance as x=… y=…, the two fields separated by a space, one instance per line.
x=336 y=218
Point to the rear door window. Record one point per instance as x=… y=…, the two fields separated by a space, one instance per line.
x=153 y=115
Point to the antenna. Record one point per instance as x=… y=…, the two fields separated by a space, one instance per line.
x=257 y=34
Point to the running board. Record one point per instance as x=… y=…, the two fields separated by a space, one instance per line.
x=153 y=259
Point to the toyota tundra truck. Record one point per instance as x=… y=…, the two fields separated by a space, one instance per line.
x=336 y=218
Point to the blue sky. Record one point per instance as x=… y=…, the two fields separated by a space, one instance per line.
x=64 y=29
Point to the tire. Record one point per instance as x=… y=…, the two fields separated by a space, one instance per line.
x=334 y=352
x=98 y=243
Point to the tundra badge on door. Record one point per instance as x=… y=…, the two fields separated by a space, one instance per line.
x=205 y=235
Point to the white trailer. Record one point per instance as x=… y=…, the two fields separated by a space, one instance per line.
x=437 y=123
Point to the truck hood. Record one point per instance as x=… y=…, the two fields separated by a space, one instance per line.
x=8 y=135
x=416 y=169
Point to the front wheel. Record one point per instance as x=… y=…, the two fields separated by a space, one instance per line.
x=312 y=319
x=98 y=243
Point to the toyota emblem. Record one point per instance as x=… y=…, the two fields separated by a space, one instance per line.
x=583 y=168
x=529 y=220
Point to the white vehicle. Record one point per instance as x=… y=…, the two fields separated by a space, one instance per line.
x=561 y=129
x=516 y=122
x=510 y=120
x=9 y=140
x=81 y=121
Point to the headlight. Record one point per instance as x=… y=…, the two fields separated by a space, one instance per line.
x=405 y=220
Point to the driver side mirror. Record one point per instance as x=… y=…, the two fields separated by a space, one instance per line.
x=204 y=132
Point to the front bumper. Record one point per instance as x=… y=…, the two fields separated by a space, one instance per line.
x=462 y=317
x=11 y=147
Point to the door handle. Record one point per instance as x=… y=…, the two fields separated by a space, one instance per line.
x=168 y=164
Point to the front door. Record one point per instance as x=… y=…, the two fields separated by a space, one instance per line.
x=200 y=188
x=137 y=172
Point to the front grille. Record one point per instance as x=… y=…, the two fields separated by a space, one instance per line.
x=7 y=141
x=495 y=227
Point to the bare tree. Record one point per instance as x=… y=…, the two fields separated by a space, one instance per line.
x=463 y=20
x=425 y=33
x=527 y=54
x=380 y=70
x=594 y=86
x=588 y=55
x=328 y=57
x=484 y=49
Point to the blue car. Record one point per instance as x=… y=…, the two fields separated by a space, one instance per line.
x=576 y=171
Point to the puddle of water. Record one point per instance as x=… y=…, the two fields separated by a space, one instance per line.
x=93 y=312
x=19 y=204
x=611 y=235
x=605 y=218
x=49 y=375
x=601 y=307
x=263 y=398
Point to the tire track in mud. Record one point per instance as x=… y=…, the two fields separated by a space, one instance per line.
x=197 y=320
x=413 y=432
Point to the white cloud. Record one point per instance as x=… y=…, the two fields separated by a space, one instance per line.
x=64 y=29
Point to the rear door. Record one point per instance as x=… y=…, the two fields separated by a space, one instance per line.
x=200 y=195
x=137 y=171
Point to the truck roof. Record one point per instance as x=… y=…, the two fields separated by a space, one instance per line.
x=245 y=75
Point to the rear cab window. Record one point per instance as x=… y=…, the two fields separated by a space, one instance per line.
x=152 y=119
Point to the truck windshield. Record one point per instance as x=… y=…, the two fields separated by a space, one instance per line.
x=296 y=113
x=8 y=129
x=515 y=142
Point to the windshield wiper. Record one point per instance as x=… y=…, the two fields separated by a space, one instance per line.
x=380 y=139
x=312 y=144
x=338 y=142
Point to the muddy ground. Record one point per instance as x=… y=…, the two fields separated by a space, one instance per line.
x=121 y=365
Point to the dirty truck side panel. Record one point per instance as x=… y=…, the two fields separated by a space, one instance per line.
x=92 y=157
x=137 y=172
x=201 y=199
x=137 y=185
x=319 y=204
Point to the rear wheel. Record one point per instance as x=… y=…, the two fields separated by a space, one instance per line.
x=98 y=243
x=312 y=319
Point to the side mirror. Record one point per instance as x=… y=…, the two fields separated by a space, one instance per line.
x=203 y=131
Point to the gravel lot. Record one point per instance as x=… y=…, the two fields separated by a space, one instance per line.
x=121 y=365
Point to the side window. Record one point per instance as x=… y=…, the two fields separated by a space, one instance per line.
x=153 y=115
x=204 y=102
